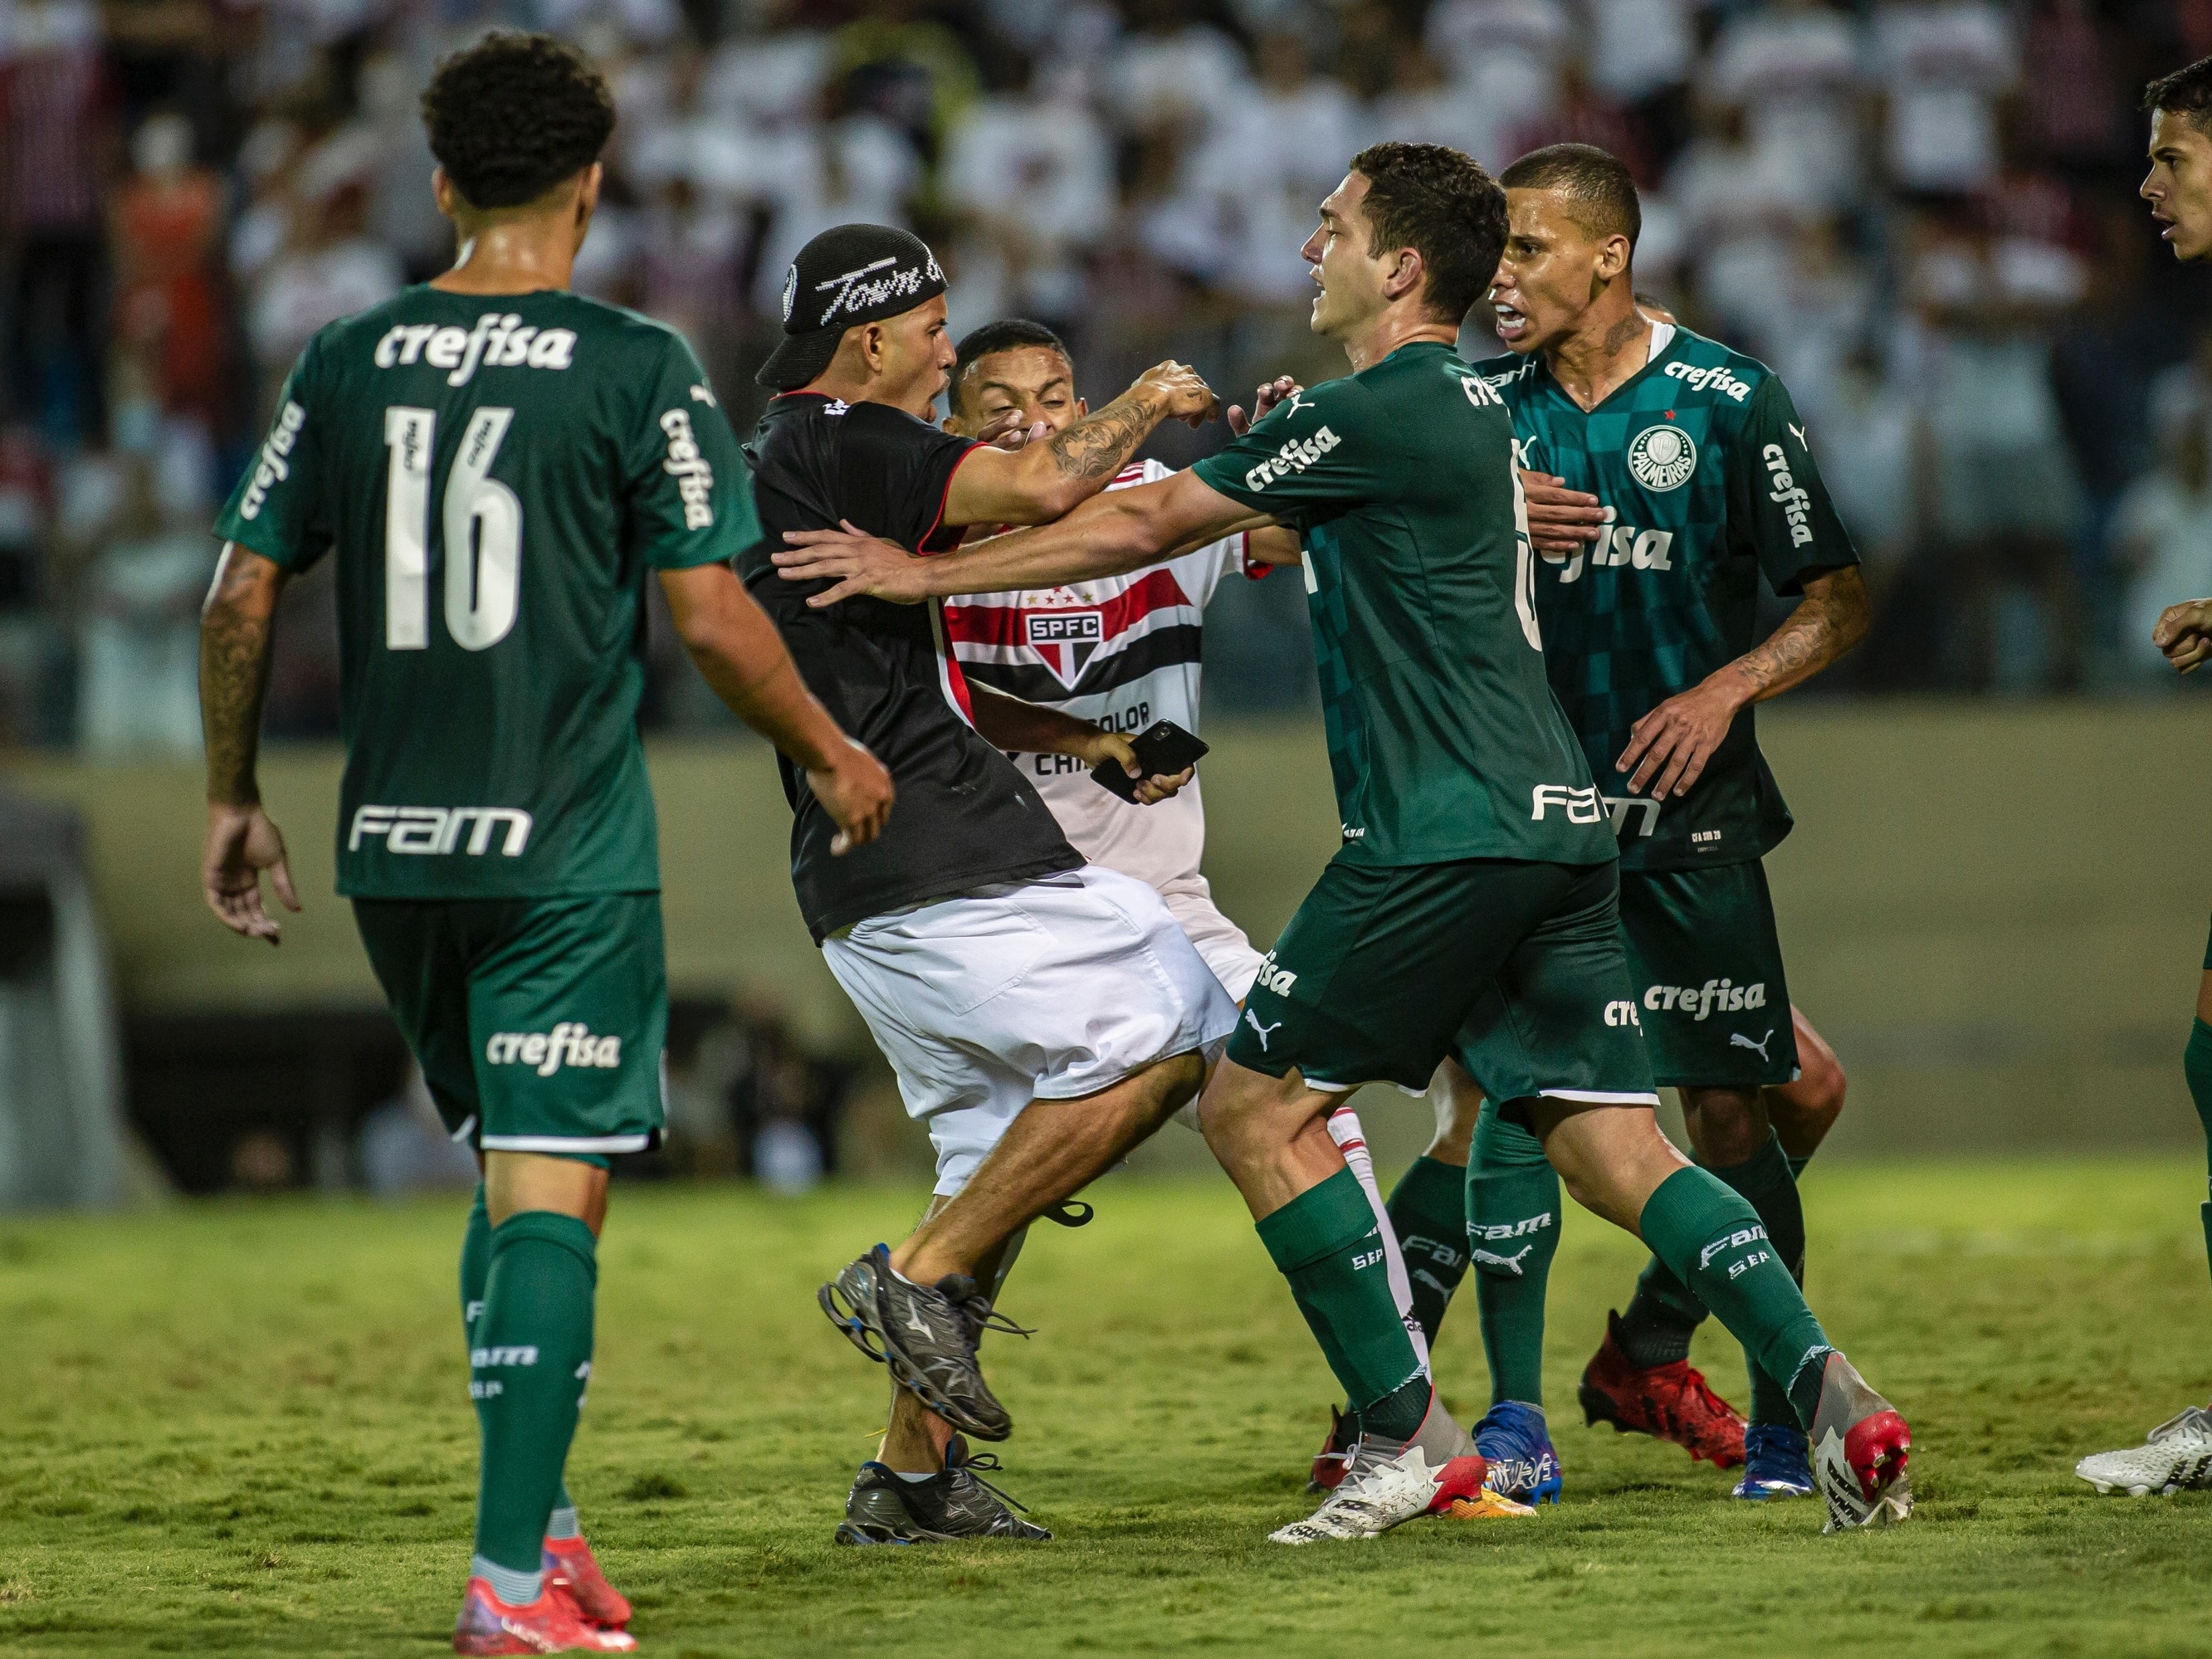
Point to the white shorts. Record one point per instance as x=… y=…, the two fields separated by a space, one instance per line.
x=1051 y=990
x=1219 y=940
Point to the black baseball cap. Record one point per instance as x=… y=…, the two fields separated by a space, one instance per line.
x=852 y=274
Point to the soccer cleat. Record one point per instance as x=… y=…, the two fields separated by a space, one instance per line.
x=1860 y=1449
x=956 y=1504
x=925 y=1333
x=1381 y=1492
x=1670 y=1402
x=569 y=1562
x=1516 y=1442
x=1486 y=1505
x=2177 y=1455
x=1776 y=1463
x=552 y=1624
x=1335 y=1457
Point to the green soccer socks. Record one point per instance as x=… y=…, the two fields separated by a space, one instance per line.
x=1428 y=1212
x=1764 y=1179
x=476 y=1269
x=1512 y=1234
x=2197 y=1066
x=529 y=1359
x=1657 y=1326
x=1711 y=1240
x=1327 y=1243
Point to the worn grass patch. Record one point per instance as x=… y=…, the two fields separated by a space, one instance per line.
x=243 y=1428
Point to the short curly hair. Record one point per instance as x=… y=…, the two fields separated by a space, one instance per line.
x=514 y=115
x=1442 y=205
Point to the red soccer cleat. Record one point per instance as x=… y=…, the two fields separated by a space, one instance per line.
x=1334 y=1458
x=569 y=1562
x=552 y=1624
x=1860 y=1450
x=1669 y=1402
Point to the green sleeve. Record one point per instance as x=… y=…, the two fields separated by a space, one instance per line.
x=691 y=497
x=1778 y=504
x=1313 y=456
x=279 y=507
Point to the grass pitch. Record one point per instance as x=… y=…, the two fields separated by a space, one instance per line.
x=243 y=1429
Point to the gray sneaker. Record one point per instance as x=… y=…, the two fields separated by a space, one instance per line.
x=956 y=1504
x=926 y=1335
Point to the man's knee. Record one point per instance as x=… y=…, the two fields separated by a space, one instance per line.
x=1805 y=1110
x=1609 y=1158
x=1243 y=1111
x=1726 y=1126
x=1457 y=1099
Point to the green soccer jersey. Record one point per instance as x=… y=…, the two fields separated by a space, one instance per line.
x=1700 y=461
x=497 y=474
x=1443 y=736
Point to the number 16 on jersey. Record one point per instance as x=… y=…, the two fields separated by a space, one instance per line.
x=482 y=521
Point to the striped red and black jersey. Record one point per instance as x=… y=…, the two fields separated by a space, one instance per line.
x=1122 y=653
x=964 y=818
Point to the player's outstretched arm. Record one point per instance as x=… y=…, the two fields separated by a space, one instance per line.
x=1106 y=536
x=1036 y=483
x=1672 y=743
x=2184 y=633
x=742 y=656
x=238 y=630
x=1009 y=723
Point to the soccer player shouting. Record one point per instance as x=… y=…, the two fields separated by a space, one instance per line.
x=2178 y=1453
x=1472 y=909
x=498 y=464
x=1043 y=1014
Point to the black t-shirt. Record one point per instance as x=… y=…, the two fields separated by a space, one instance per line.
x=964 y=818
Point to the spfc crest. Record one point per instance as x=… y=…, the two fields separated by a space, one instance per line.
x=1065 y=640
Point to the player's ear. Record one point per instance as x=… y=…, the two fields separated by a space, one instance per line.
x=443 y=193
x=1612 y=256
x=1404 y=276
x=1082 y=408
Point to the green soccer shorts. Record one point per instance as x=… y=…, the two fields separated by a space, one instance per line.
x=1515 y=966
x=538 y=1022
x=1707 y=966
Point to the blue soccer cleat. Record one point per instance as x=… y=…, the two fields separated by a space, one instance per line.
x=1518 y=1444
x=1776 y=1463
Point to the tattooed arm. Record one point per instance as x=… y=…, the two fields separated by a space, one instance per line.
x=1673 y=741
x=1039 y=481
x=237 y=630
x=1111 y=534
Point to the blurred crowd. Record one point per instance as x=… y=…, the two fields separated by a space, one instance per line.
x=1921 y=212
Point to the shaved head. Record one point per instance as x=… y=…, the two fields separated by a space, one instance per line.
x=1599 y=194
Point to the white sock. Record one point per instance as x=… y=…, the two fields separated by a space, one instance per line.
x=1351 y=1140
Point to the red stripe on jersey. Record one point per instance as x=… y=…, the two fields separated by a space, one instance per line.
x=937 y=523
x=950 y=675
x=978 y=623
x=1132 y=473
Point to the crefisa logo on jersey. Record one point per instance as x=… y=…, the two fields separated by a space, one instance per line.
x=273 y=465
x=1662 y=458
x=1065 y=640
x=496 y=342
x=695 y=478
x=1796 y=505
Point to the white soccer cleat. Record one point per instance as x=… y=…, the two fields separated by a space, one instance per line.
x=2177 y=1454
x=1380 y=1493
x=1860 y=1450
